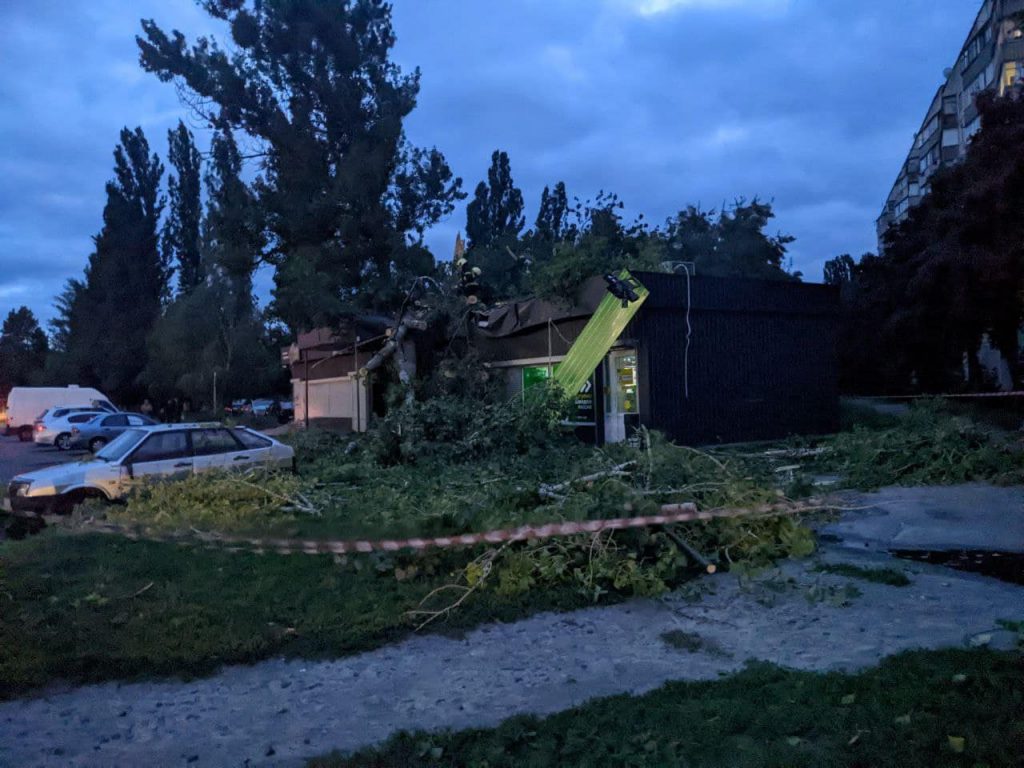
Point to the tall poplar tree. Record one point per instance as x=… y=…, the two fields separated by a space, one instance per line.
x=111 y=312
x=181 y=229
x=553 y=217
x=496 y=211
x=214 y=337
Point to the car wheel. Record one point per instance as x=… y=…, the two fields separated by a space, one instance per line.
x=63 y=442
x=96 y=443
x=25 y=434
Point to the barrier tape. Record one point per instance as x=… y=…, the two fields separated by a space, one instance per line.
x=949 y=396
x=671 y=514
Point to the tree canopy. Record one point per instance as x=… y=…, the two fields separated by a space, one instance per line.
x=103 y=321
x=346 y=197
x=23 y=348
x=950 y=275
x=730 y=243
x=181 y=227
x=495 y=214
x=494 y=225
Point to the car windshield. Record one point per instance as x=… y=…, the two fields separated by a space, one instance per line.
x=120 y=445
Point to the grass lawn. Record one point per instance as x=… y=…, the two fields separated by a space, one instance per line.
x=85 y=608
x=889 y=576
x=962 y=709
x=90 y=608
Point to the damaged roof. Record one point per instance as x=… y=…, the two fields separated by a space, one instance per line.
x=514 y=317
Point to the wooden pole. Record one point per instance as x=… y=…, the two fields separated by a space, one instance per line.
x=355 y=381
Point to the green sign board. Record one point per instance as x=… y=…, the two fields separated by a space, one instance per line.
x=584 y=409
x=535 y=374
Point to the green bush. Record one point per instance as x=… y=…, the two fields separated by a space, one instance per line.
x=453 y=426
x=927 y=446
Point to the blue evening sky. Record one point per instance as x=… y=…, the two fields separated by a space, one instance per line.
x=809 y=103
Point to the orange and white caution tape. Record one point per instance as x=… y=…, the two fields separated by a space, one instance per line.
x=670 y=514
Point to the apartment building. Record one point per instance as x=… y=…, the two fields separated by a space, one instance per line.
x=992 y=58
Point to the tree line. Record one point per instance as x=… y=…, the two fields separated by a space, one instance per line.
x=950 y=277
x=336 y=204
x=573 y=240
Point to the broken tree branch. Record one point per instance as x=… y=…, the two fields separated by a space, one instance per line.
x=557 y=490
x=688 y=550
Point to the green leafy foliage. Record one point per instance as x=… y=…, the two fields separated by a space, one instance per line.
x=223 y=501
x=595 y=242
x=926 y=446
x=211 y=335
x=898 y=715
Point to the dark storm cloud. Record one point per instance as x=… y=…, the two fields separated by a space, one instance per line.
x=810 y=103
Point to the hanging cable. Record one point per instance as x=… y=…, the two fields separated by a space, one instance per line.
x=689 y=333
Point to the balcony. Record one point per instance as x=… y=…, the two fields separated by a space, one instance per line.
x=1013 y=50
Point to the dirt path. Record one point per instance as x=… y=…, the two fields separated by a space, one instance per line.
x=278 y=712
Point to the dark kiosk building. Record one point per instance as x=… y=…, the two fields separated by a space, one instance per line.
x=704 y=360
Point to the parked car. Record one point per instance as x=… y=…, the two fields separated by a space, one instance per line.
x=286 y=411
x=238 y=407
x=265 y=406
x=54 y=428
x=144 y=454
x=26 y=404
x=100 y=430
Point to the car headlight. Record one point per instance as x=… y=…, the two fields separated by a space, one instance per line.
x=20 y=487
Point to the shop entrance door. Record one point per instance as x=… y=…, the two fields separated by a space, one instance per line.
x=621 y=408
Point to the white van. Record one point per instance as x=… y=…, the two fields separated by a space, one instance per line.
x=26 y=404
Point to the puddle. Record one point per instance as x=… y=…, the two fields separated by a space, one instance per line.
x=1005 y=566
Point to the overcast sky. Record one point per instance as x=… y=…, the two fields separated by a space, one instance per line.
x=809 y=103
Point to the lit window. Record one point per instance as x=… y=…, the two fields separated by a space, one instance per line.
x=1011 y=73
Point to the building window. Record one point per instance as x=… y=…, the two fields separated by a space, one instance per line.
x=621 y=406
x=1011 y=75
x=975 y=47
x=972 y=128
x=950 y=137
x=929 y=161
